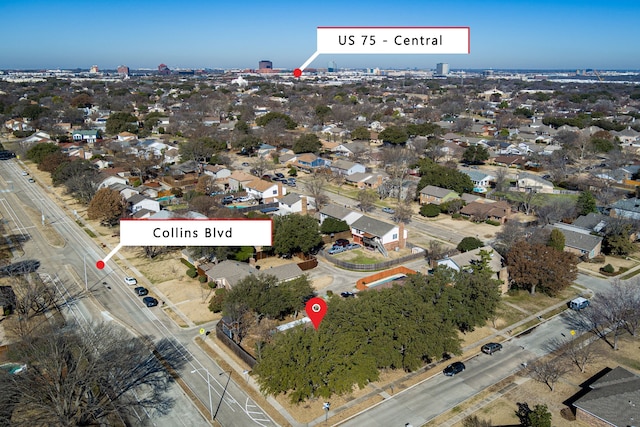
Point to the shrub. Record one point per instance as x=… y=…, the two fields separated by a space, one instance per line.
x=217 y=301
x=187 y=263
x=468 y=244
x=192 y=272
x=212 y=285
x=492 y=222
x=456 y=216
x=608 y=269
x=430 y=210
x=202 y=279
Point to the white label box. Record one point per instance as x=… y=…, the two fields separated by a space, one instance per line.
x=196 y=232
x=393 y=40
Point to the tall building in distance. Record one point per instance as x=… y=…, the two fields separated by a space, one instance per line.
x=94 y=69
x=163 y=69
x=442 y=69
x=332 y=67
x=123 y=70
x=265 y=65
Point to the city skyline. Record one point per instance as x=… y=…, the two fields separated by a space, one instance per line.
x=514 y=35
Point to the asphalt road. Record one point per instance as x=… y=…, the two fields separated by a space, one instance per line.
x=72 y=269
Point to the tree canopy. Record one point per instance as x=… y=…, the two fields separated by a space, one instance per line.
x=121 y=122
x=333 y=225
x=274 y=115
x=106 y=206
x=475 y=155
x=394 y=135
x=307 y=143
x=442 y=176
x=295 y=233
x=39 y=151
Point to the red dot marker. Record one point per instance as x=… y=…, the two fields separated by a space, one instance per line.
x=100 y=265
x=316 y=308
x=297 y=72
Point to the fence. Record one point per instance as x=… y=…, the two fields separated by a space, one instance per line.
x=377 y=266
x=234 y=347
x=256 y=207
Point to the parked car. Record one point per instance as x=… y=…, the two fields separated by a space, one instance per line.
x=491 y=347
x=130 y=281
x=341 y=242
x=579 y=303
x=347 y=294
x=336 y=250
x=150 y=301
x=25 y=173
x=388 y=210
x=32 y=180
x=280 y=175
x=141 y=291
x=353 y=246
x=454 y=368
x=226 y=200
x=291 y=183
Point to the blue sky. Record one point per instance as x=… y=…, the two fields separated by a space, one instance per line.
x=561 y=34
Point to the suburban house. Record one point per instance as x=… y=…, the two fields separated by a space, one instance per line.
x=88 y=136
x=482 y=211
x=436 y=195
x=594 y=222
x=364 y=180
x=530 y=182
x=481 y=181
x=309 y=162
x=265 y=150
x=611 y=400
x=284 y=272
x=217 y=171
x=266 y=191
x=579 y=240
x=496 y=263
x=238 y=180
x=295 y=203
x=380 y=235
x=626 y=208
x=226 y=274
x=138 y=201
x=345 y=167
x=112 y=179
x=351 y=149
x=339 y=212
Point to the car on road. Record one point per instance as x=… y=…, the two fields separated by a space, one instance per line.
x=353 y=246
x=336 y=250
x=341 y=242
x=32 y=180
x=454 y=368
x=347 y=294
x=388 y=210
x=141 y=291
x=491 y=347
x=150 y=301
x=25 y=173
x=130 y=281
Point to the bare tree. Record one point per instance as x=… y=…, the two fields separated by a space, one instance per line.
x=577 y=351
x=403 y=213
x=366 y=199
x=502 y=183
x=86 y=378
x=315 y=186
x=527 y=200
x=548 y=371
x=261 y=166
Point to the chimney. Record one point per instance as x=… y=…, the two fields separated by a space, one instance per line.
x=303 y=202
x=401 y=240
x=280 y=194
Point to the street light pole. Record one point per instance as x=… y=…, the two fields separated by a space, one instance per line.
x=86 y=283
x=209 y=389
x=223 y=393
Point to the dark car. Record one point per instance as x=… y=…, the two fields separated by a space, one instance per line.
x=150 y=301
x=341 y=242
x=141 y=291
x=347 y=294
x=280 y=175
x=454 y=368
x=492 y=347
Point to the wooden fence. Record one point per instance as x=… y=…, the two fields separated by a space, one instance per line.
x=234 y=347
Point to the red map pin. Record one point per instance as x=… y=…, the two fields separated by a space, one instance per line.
x=316 y=308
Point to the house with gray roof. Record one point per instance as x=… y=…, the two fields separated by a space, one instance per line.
x=373 y=233
x=338 y=212
x=436 y=195
x=579 y=241
x=592 y=221
x=626 y=208
x=481 y=181
x=346 y=167
x=295 y=203
x=285 y=272
x=227 y=273
x=530 y=182
x=365 y=180
x=612 y=400
x=138 y=201
x=496 y=263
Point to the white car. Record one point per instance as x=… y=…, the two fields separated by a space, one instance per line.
x=130 y=281
x=25 y=173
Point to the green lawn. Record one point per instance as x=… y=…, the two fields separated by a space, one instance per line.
x=539 y=199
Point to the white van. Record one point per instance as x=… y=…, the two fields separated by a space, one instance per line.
x=578 y=303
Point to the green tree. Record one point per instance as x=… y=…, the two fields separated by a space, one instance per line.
x=307 y=143
x=274 y=115
x=333 y=225
x=322 y=112
x=469 y=243
x=361 y=133
x=586 y=203
x=52 y=161
x=617 y=239
x=430 y=210
x=394 y=135
x=475 y=154
x=556 y=240
x=538 y=266
x=121 y=122
x=39 y=151
x=217 y=300
x=106 y=206
x=539 y=416
x=442 y=176
x=295 y=233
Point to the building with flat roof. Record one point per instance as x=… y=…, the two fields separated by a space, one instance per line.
x=265 y=65
x=442 y=69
